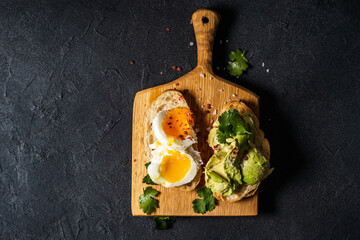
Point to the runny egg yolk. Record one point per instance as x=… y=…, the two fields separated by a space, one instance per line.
x=177 y=123
x=175 y=166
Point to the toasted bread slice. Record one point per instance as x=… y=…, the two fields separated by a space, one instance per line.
x=261 y=143
x=166 y=101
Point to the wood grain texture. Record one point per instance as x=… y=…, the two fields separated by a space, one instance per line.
x=198 y=86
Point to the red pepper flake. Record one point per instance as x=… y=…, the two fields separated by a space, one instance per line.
x=207 y=111
x=173 y=67
x=177 y=84
x=134 y=160
x=132 y=62
x=167 y=29
x=179 y=69
x=174 y=88
x=246 y=158
x=208 y=106
x=124 y=166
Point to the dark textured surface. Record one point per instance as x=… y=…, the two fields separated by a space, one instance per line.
x=66 y=94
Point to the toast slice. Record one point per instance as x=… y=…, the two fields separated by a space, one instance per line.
x=261 y=143
x=166 y=101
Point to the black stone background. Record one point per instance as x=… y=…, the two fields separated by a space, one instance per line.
x=67 y=89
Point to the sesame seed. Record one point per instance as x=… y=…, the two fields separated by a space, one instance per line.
x=208 y=129
x=221 y=41
x=237 y=77
x=227 y=41
x=234 y=95
x=263 y=64
x=202 y=75
x=191 y=21
x=208 y=100
x=161 y=73
x=267 y=70
x=217 y=68
x=191 y=44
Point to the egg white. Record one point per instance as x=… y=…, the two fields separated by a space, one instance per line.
x=158 y=155
x=169 y=142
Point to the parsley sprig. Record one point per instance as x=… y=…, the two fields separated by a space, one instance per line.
x=163 y=223
x=238 y=63
x=207 y=203
x=147 y=179
x=147 y=202
x=231 y=124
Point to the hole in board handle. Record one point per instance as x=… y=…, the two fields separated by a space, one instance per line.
x=205 y=20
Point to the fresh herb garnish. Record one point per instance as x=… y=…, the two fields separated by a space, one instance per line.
x=163 y=223
x=147 y=202
x=147 y=179
x=207 y=203
x=238 y=63
x=231 y=124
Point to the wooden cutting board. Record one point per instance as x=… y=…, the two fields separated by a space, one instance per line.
x=199 y=87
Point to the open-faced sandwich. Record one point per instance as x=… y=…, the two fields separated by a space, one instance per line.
x=169 y=141
x=241 y=154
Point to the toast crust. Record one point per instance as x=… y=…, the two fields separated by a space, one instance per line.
x=166 y=101
x=261 y=143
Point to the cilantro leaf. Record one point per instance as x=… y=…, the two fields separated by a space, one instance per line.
x=238 y=63
x=163 y=223
x=207 y=203
x=147 y=179
x=232 y=125
x=147 y=202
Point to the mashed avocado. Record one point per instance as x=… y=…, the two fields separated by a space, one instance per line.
x=232 y=140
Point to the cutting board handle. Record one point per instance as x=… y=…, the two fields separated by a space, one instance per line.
x=205 y=25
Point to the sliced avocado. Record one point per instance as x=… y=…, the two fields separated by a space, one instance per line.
x=216 y=177
x=255 y=167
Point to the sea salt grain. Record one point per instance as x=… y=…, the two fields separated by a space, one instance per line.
x=211 y=78
x=202 y=106
x=263 y=64
x=200 y=98
x=202 y=75
x=215 y=112
x=191 y=44
x=234 y=95
x=208 y=129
